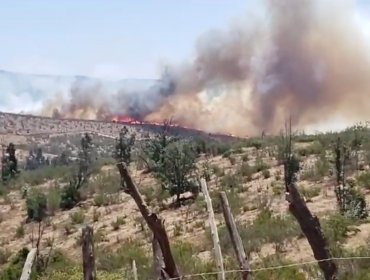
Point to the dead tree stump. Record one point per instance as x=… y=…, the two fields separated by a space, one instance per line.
x=154 y=222
x=88 y=253
x=311 y=228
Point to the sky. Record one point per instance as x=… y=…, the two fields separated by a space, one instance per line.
x=111 y=39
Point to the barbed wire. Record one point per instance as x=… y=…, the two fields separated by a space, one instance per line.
x=271 y=267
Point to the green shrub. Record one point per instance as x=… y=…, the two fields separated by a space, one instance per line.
x=70 y=196
x=314 y=148
x=14 y=270
x=219 y=172
x=53 y=200
x=101 y=199
x=36 y=204
x=246 y=170
x=232 y=160
x=77 y=217
x=337 y=227
x=266 y=173
x=118 y=223
x=245 y=158
x=310 y=192
x=266 y=228
x=255 y=143
x=19 y=233
x=121 y=260
x=183 y=252
x=75 y=273
x=364 y=180
x=277 y=188
x=227 y=154
x=4 y=256
x=260 y=165
x=230 y=181
x=287 y=273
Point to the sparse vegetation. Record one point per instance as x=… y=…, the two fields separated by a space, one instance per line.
x=77 y=217
x=116 y=224
x=90 y=191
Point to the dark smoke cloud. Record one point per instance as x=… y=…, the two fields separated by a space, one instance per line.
x=306 y=58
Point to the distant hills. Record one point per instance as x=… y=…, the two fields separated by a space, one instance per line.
x=23 y=93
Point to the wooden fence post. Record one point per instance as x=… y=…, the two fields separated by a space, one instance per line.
x=27 y=268
x=88 y=253
x=214 y=232
x=235 y=237
x=134 y=269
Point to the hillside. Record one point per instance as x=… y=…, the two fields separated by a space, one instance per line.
x=249 y=171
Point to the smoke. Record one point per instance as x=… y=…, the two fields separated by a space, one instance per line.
x=307 y=59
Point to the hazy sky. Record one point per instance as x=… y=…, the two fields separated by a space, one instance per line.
x=110 y=39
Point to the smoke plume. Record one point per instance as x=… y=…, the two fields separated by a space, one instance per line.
x=308 y=59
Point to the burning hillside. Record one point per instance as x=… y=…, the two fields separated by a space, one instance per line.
x=307 y=58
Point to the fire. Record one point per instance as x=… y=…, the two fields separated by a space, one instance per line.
x=125 y=119
x=130 y=120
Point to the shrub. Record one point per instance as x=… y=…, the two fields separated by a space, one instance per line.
x=277 y=188
x=218 y=171
x=266 y=228
x=232 y=160
x=70 y=196
x=245 y=158
x=286 y=273
x=183 y=252
x=246 y=170
x=260 y=165
x=266 y=173
x=53 y=200
x=77 y=217
x=121 y=260
x=101 y=199
x=14 y=270
x=19 y=233
x=118 y=223
x=364 y=180
x=230 y=181
x=36 y=206
x=4 y=256
x=75 y=273
x=315 y=148
x=337 y=227
x=227 y=154
x=310 y=192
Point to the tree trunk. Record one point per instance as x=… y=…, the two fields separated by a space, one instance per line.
x=235 y=237
x=159 y=273
x=154 y=222
x=214 y=232
x=88 y=253
x=310 y=226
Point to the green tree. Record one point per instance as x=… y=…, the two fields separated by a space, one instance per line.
x=155 y=147
x=175 y=169
x=9 y=163
x=36 y=206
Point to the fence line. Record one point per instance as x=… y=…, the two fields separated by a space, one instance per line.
x=271 y=267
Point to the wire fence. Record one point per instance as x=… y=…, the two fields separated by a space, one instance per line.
x=188 y=276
